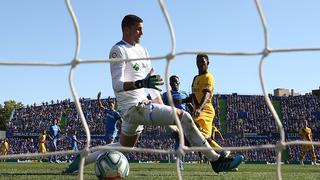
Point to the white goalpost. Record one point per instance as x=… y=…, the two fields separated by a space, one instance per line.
x=169 y=57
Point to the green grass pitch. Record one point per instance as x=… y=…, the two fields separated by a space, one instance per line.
x=46 y=171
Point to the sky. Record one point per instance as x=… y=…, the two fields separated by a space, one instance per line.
x=42 y=31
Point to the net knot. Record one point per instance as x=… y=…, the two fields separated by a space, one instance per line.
x=84 y=152
x=280 y=146
x=180 y=152
x=75 y=62
x=170 y=56
x=266 y=52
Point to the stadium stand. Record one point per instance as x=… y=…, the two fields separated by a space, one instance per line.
x=248 y=123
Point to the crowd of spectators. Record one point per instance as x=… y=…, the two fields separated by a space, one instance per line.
x=36 y=118
x=244 y=114
x=248 y=114
x=267 y=155
x=296 y=109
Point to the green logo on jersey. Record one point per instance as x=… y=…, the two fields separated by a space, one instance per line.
x=136 y=67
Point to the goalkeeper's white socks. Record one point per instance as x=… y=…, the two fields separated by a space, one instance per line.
x=195 y=137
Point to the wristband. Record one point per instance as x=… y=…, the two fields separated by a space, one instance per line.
x=138 y=84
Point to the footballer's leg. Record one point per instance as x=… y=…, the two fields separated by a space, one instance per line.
x=128 y=137
x=74 y=166
x=223 y=163
x=313 y=156
x=302 y=155
x=218 y=162
x=91 y=158
x=157 y=114
x=174 y=132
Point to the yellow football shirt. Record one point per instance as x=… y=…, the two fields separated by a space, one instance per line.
x=305 y=133
x=4 y=148
x=42 y=143
x=202 y=83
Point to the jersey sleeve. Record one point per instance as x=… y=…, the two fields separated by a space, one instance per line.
x=164 y=98
x=117 y=68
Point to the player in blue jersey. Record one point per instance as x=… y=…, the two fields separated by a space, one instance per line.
x=111 y=117
x=54 y=131
x=177 y=97
x=73 y=140
x=176 y=94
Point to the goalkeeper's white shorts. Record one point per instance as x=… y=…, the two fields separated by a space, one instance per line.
x=146 y=113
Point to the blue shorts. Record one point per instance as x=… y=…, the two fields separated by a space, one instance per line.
x=53 y=143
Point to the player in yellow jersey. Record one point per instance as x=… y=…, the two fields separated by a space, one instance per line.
x=42 y=143
x=4 y=147
x=306 y=135
x=201 y=97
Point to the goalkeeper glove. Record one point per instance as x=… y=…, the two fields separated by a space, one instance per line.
x=150 y=81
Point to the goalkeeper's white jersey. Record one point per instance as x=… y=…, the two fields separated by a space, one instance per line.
x=129 y=71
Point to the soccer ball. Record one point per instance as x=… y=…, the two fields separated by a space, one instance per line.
x=111 y=165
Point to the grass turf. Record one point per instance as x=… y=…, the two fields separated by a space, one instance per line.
x=47 y=171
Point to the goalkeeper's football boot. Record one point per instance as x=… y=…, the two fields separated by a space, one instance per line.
x=74 y=166
x=226 y=163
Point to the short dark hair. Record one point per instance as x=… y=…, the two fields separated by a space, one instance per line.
x=129 y=20
x=203 y=56
x=172 y=77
